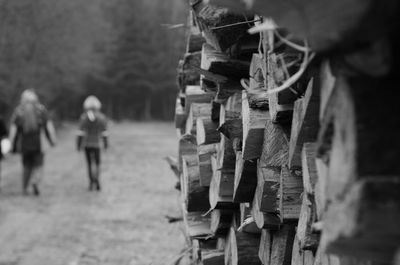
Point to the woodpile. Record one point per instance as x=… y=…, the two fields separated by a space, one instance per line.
x=287 y=156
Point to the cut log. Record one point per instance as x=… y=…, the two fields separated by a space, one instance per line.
x=245 y=179
x=195 y=196
x=197 y=225
x=205 y=152
x=211 y=18
x=206 y=131
x=197 y=110
x=264 y=252
x=365 y=222
x=244 y=248
x=275 y=147
x=221 y=221
x=291 y=188
x=194 y=94
x=304 y=124
x=220 y=63
x=282 y=245
x=254 y=122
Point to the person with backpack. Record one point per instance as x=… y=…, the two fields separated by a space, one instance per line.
x=92 y=132
x=28 y=122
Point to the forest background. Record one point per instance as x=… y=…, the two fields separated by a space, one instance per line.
x=119 y=50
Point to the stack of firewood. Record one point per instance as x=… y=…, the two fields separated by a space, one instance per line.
x=286 y=157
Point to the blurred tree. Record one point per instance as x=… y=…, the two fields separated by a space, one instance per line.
x=116 y=49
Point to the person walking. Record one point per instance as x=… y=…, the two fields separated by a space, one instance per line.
x=3 y=137
x=28 y=122
x=92 y=131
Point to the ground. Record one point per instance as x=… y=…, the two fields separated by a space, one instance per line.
x=68 y=225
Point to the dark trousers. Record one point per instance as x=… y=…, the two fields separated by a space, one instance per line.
x=33 y=165
x=93 y=163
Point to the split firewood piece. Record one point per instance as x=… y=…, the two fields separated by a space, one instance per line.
x=225 y=179
x=280 y=104
x=264 y=220
x=309 y=167
x=226 y=158
x=173 y=164
x=291 y=188
x=282 y=245
x=308 y=239
x=221 y=221
x=180 y=115
x=350 y=224
x=237 y=145
x=256 y=90
x=212 y=257
x=264 y=251
x=275 y=148
x=187 y=70
x=230 y=123
x=305 y=257
x=245 y=179
x=194 y=94
x=319 y=25
x=247 y=223
x=308 y=257
x=218 y=201
x=203 y=247
x=197 y=225
x=215 y=110
x=206 y=131
x=194 y=40
x=195 y=196
x=243 y=248
x=354 y=142
x=214 y=23
x=197 y=110
x=305 y=123
x=254 y=122
x=268 y=189
x=187 y=146
x=205 y=152
x=222 y=64
x=297 y=253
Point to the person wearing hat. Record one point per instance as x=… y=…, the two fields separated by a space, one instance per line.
x=92 y=133
x=28 y=122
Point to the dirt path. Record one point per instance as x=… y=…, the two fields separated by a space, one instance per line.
x=68 y=225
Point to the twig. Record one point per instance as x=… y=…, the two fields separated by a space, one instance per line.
x=234 y=24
